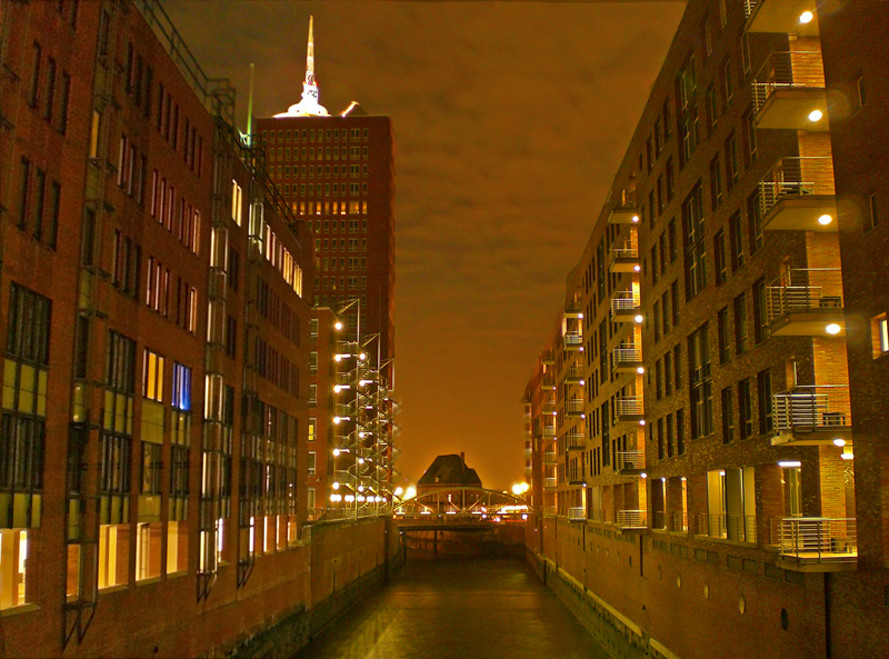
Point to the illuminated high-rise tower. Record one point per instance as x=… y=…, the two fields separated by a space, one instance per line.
x=337 y=172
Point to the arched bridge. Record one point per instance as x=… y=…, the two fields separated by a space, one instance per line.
x=461 y=505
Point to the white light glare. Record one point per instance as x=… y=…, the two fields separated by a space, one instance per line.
x=789 y=464
x=839 y=441
x=640 y=370
x=833 y=329
x=338 y=325
x=825 y=219
x=639 y=318
x=815 y=115
x=806 y=17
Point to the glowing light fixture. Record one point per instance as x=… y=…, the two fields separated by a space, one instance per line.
x=839 y=441
x=833 y=329
x=641 y=422
x=338 y=325
x=335 y=485
x=637 y=268
x=639 y=318
x=806 y=17
x=825 y=219
x=582 y=383
x=789 y=464
x=336 y=452
x=635 y=218
x=643 y=475
x=847 y=453
x=815 y=115
x=640 y=370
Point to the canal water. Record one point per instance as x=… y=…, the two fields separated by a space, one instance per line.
x=470 y=608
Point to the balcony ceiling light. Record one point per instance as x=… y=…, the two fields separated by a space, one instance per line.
x=582 y=382
x=643 y=475
x=639 y=318
x=839 y=441
x=338 y=325
x=815 y=115
x=640 y=370
x=825 y=219
x=637 y=268
x=790 y=464
x=847 y=453
x=806 y=17
x=641 y=422
x=833 y=329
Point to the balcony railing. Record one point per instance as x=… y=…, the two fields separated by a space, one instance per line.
x=630 y=461
x=816 y=539
x=574 y=374
x=796 y=178
x=549 y=482
x=549 y=432
x=627 y=355
x=809 y=408
x=575 y=477
x=550 y=510
x=626 y=214
x=573 y=340
x=629 y=406
x=679 y=522
x=574 y=440
x=629 y=250
x=577 y=514
x=549 y=456
x=659 y=520
x=574 y=406
x=780 y=16
x=799 y=290
x=632 y=519
x=787 y=70
x=624 y=303
x=730 y=527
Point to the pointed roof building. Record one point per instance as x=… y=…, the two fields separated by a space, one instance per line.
x=308 y=105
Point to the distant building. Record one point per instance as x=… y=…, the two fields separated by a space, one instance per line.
x=337 y=173
x=448 y=471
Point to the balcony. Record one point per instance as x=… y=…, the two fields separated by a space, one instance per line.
x=573 y=310
x=577 y=514
x=632 y=519
x=548 y=432
x=574 y=375
x=549 y=456
x=573 y=340
x=630 y=463
x=741 y=528
x=547 y=408
x=625 y=258
x=781 y=16
x=624 y=215
x=548 y=382
x=626 y=358
x=812 y=415
x=816 y=544
x=629 y=408
x=549 y=483
x=574 y=407
x=678 y=522
x=788 y=92
x=798 y=194
x=625 y=307
x=806 y=303
x=575 y=477
x=575 y=440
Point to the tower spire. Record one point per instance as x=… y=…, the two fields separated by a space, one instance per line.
x=308 y=104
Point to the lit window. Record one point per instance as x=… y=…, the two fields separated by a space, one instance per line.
x=880 y=335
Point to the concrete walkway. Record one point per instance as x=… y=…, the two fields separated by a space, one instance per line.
x=458 y=609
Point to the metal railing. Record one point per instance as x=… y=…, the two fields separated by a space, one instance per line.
x=550 y=510
x=549 y=482
x=750 y=7
x=632 y=519
x=815 y=407
x=574 y=373
x=730 y=527
x=549 y=432
x=624 y=302
x=796 y=177
x=576 y=514
x=813 y=289
x=629 y=250
x=575 y=476
x=679 y=522
x=574 y=406
x=549 y=457
x=797 y=69
x=628 y=406
x=572 y=339
x=574 y=440
x=816 y=538
x=627 y=354
x=630 y=461
x=659 y=520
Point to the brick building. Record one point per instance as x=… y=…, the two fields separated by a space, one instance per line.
x=156 y=302
x=719 y=487
x=337 y=173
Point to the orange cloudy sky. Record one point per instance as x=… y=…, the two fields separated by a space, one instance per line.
x=510 y=119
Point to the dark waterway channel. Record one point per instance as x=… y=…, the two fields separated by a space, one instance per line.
x=470 y=608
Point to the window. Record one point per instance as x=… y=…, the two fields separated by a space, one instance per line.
x=728 y=416
x=695 y=251
x=712 y=111
x=699 y=381
x=668 y=373
x=674 y=302
x=764 y=401
x=310 y=463
x=754 y=222
x=760 y=318
x=181 y=386
x=719 y=264
x=722 y=332
x=237 y=202
x=231 y=336
x=671 y=181
x=879 y=330
x=715 y=182
x=49 y=96
x=23 y=417
x=736 y=241
x=861 y=95
x=727 y=86
x=745 y=413
x=24 y=196
x=732 y=166
x=152 y=376
x=740 y=307
x=872 y=216
x=66 y=98
x=671 y=242
x=677 y=366
x=33 y=94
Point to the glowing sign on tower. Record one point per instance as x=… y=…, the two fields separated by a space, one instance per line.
x=308 y=105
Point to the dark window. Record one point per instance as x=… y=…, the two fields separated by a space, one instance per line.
x=49 y=97
x=719 y=264
x=754 y=222
x=699 y=381
x=695 y=250
x=764 y=400
x=760 y=319
x=722 y=331
x=745 y=413
x=728 y=416
x=736 y=242
x=24 y=196
x=740 y=307
x=715 y=182
x=34 y=92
